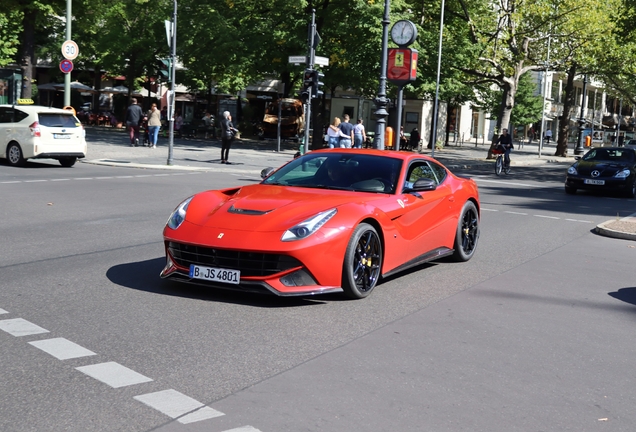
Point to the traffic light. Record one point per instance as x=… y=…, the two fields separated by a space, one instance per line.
x=317 y=84
x=163 y=67
x=308 y=79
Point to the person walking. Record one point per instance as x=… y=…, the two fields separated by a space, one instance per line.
x=359 y=135
x=548 y=135
x=333 y=134
x=346 y=132
x=154 y=124
x=134 y=114
x=228 y=131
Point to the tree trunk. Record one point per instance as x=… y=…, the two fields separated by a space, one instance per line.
x=27 y=53
x=564 y=119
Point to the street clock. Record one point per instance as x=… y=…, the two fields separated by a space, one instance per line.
x=403 y=33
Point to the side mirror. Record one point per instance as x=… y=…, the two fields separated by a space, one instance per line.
x=577 y=157
x=265 y=172
x=422 y=185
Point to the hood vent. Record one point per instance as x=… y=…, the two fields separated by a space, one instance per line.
x=249 y=212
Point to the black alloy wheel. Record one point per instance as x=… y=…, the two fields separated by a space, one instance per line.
x=467 y=233
x=362 y=262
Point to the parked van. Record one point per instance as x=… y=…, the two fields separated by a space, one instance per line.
x=292 y=123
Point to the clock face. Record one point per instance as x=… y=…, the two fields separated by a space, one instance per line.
x=403 y=32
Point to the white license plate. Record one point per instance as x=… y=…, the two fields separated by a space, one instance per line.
x=61 y=136
x=215 y=274
x=594 y=182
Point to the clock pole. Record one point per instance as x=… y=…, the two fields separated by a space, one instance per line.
x=381 y=101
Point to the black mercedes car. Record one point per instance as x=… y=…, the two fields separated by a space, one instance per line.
x=604 y=168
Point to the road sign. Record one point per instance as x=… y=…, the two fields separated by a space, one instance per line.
x=70 y=50
x=322 y=61
x=66 y=66
x=297 y=59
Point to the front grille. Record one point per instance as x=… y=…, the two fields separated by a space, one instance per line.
x=249 y=263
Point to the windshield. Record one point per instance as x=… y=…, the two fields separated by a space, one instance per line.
x=58 y=120
x=340 y=171
x=610 y=155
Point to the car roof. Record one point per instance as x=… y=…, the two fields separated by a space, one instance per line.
x=404 y=155
x=37 y=109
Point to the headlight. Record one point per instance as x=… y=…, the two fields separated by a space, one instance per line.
x=308 y=227
x=178 y=215
x=572 y=170
x=623 y=174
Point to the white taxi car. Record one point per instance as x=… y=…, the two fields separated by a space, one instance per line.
x=36 y=132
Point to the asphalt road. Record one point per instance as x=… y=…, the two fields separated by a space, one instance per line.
x=534 y=333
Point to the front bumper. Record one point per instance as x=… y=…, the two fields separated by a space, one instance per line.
x=609 y=183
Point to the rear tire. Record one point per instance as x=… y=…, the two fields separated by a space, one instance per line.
x=467 y=234
x=68 y=162
x=15 y=155
x=362 y=262
x=498 y=165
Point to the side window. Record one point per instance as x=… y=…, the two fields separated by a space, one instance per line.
x=6 y=115
x=440 y=172
x=20 y=115
x=420 y=170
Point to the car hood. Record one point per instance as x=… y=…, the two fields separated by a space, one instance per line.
x=267 y=207
x=605 y=168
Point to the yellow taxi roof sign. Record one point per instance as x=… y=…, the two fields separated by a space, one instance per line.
x=25 y=102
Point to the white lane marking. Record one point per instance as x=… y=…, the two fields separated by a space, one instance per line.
x=114 y=374
x=517 y=213
x=2 y=311
x=103 y=178
x=547 y=217
x=62 y=349
x=244 y=429
x=83 y=178
x=143 y=175
x=60 y=179
x=34 y=181
x=479 y=179
x=96 y=178
x=21 y=327
x=8 y=182
x=487 y=209
x=175 y=404
x=124 y=177
x=160 y=175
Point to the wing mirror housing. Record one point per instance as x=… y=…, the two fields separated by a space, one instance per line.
x=422 y=185
x=265 y=172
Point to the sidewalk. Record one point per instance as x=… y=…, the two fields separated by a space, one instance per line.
x=109 y=146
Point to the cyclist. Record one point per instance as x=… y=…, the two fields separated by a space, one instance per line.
x=505 y=141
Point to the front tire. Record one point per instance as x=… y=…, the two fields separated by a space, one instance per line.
x=362 y=262
x=68 y=162
x=570 y=190
x=498 y=165
x=631 y=192
x=467 y=233
x=15 y=156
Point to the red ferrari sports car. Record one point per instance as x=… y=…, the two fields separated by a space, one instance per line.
x=333 y=220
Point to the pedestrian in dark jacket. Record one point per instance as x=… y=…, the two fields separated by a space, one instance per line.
x=134 y=115
x=228 y=131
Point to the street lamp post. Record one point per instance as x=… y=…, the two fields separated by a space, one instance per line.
x=67 y=76
x=579 y=149
x=173 y=68
x=381 y=101
x=439 y=66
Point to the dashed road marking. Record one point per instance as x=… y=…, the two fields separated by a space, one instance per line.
x=547 y=217
x=62 y=349
x=244 y=429
x=178 y=406
x=21 y=327
x=517 y=213
x=114 y=374
x=2 y=311
x=97 y=178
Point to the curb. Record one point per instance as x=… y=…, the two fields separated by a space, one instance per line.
x=605 y=230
